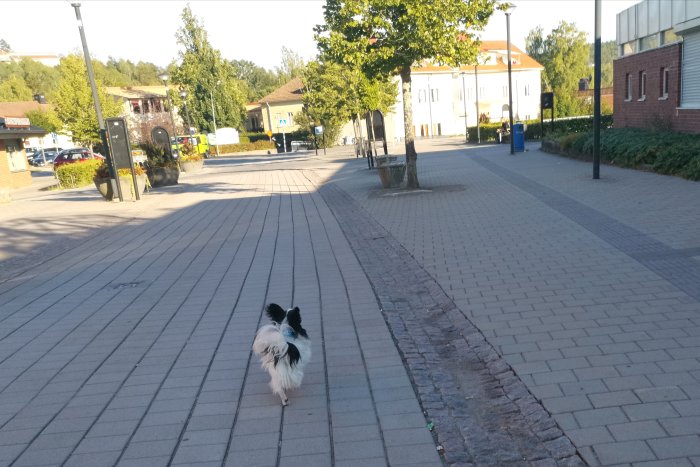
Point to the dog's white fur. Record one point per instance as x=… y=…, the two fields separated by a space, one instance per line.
x=284 y=349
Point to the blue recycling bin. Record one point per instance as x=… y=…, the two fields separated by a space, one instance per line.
x=518 y=137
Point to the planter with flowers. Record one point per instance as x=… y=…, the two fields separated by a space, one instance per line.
x=190 y=160
x=161 y=168
x=104 y=184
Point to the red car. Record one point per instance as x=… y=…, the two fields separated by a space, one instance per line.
x=68 y=156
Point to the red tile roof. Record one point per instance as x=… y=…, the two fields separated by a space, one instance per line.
x=521 y=61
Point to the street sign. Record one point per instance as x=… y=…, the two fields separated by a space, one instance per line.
x=282 y=122
x=54 y=138
x=269 y=134
x=318 y=130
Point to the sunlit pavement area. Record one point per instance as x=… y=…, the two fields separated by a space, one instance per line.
x=524 y=311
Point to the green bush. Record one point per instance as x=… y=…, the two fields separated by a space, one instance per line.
x=247 y=146
x=659 y=151
x=533 y=129
x=253 y=137
x=77 y=174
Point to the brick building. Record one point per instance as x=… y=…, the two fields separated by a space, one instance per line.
x=657 y=74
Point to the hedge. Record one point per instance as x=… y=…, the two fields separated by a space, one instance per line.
x=662 y=152
x=245 y=146
x=534 y=130
x=77 y=174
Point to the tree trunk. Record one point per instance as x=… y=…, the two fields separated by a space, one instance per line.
x=354 y=144
x=374 y=138
x=363 y=149
x=411 y=155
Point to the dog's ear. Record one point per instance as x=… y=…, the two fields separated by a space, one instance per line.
x=294 y=320
x=275 y=312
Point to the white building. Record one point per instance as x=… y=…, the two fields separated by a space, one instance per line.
x=439 y=92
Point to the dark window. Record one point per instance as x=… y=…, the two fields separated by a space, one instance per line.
x=642 y=85
x=664 y=83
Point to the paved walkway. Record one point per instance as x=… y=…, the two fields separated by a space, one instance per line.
x=589 y=289
x=133 y=346
x=126 y=327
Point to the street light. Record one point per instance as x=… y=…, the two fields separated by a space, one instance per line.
x=464 y=99
x=164 y=77
x=183 y=94
x=213 y=114
x=478 y=114
x=96 y=99
x=510 y=82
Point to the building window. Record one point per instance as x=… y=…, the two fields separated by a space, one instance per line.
x=649 y=42
x=628 y=87
x=527 y=89
x=629 y=47
x=505 y=91
x=421 y=95
x=668 y=36
x=434 y=95
x=663 y=92
x=482 y=92
x=642 y=85
x=136 y=106
x=290 y=118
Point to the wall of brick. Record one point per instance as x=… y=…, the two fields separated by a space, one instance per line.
x=653 y=112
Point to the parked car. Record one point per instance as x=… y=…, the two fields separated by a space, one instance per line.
x=40 y=160
x=70 y=156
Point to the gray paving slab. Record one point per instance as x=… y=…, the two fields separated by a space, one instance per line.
x=130 y=345
x=588 y=289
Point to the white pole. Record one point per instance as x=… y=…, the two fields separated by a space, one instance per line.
x=213 y=114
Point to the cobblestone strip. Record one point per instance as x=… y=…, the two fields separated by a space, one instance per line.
x=482 y=412
x=676 y=266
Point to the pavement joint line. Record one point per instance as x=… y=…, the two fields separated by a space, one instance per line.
x=367 y=239
x=356 y=334
x=69 y=332
x=223 y=333
x=653 y=254
x=117 y=347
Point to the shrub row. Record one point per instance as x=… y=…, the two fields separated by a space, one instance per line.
x=77 y=174
x=659 y=151
x=246 y=146
x=534 y=129
x=253 y=137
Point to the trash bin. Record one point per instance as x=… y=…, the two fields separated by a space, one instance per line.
x=518 y=135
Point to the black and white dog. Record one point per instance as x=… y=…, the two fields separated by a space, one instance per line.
x=284 y=349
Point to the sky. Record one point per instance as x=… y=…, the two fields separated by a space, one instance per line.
x=243 y=30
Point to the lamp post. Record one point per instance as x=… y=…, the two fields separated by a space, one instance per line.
x=164 y=77
x=213 y=114
x=183 y=94
x=464 y=99
x=96 y=99
x=510 y=82
x=478 y=115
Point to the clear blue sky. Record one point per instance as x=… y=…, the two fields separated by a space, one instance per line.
x=251 y=30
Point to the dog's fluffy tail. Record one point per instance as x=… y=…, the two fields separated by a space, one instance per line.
x=281 y=359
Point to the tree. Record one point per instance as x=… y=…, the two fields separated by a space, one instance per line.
x=46 y=119
x=390 y=36
x=259 y=81
x=206 y=77
x=292 y=65
x=4 y=46
x=608 y=53
x=564 y=55
x=74 y=104
x=324 y=99
x=14 y=89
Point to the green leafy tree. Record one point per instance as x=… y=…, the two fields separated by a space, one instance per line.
x=292 y=65
x=74 y=104
x=40 y=78
x=14 y=89
x=46 y=119
x=390 y=36
x=206 y=77
x=608 y=53
x=259 y=81
x=564 y=54
x=4 y=46
x=324 y=99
